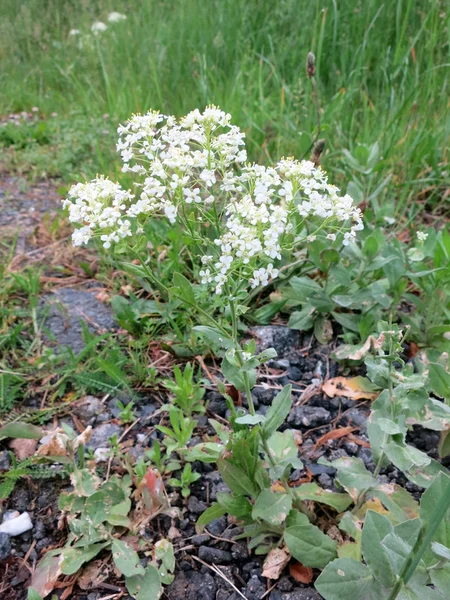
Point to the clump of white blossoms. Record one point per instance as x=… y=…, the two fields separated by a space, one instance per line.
x=193 y=173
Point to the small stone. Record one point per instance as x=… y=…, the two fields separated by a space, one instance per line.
x=357 y=417
x=196 y=506
x=309 y=416
x=101 y=455
x=5 y=460
x=90 y=407
x=285 y=584
x=318 y=469
x=218 y=526
x=255 y=588
x=39 y=530
x=302 y=594
x=5 y=546
x=199 y=540
x=283 y=339
x=214 y=556
x=17 y=526
x=351 y=448
x=102 y=433
x=325 y=481
x=239 y=551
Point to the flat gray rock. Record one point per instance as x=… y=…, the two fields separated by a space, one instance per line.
x=67 y=308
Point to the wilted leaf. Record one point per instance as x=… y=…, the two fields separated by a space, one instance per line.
x=23 y=448
x=275 y=562
x=47 y=573
x=301 y=573
x=359 y=352
x=355 y=388
x=93 y=575
x=334 y=434
x=55 y=447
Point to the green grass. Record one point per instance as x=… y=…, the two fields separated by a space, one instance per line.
x=383 y=73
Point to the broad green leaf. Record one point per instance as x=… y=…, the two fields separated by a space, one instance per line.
x=441 y=578
x=250 y=420
x=213 y=512
x=311 y=491
x=278 y=411
x=376 y=527
x=84 y=482
x=74 y=558
x=397 y=551
x=307 y=543
x=236 y=479
x=126 y=559
x=439 y=379
x=237 y=506
x=440 y=550
x=347 y=579
x=272 y=507
x=234 y=375
x=146 y=586
x=425 y=475
x=215 y=336
x=184 y=288
x=164 y=552
x=22 y=431
x=397 y=500
x=353 y=476
x=434 y=497
x=284 y=453
x=33 y=595
x=302 y=319
x=71 y=502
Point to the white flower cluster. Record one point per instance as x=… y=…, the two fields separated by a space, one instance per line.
x=192 y=171
x=100 y=206
x=97 y=28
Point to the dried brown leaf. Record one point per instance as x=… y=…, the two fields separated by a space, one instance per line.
x=275 y=562
x=301 y=573
x=354 y=388
x=23 y=448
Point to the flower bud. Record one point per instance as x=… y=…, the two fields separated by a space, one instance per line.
x=310 y=64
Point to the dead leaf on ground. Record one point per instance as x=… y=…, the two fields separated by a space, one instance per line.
x=357 y=353
x=359 y=441
x=275 y=562
x=55 y=447
x=335 y=434
x=46 y=574
x=301 y=573
x=23 y=448
x=93 y=575
x=354 y=388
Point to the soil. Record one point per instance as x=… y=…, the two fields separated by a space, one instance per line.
x=301 y=361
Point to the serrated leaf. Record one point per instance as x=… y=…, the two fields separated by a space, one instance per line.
x=347 y=579
x=126 y=559
x=307 y=543
x=376 y=528
x=272 y=507
x=146 y=586
x=278 y=411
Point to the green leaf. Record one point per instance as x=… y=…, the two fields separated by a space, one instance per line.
x=272 y=507
x=376 y=527
x=215 y=336
x=236 y=479
x=353 y=476
x=278 y=411
x=184 y=288
x=439 y=379
x=431 y=499
x=146 y=586
x=237 y=506
x=302 y=319
x=311 y=491
x=250 y=420
x=74 y=558
x=441 y=578
x=126 y=559
x=213 y=512
x=397 y=500
x=22 y=431
x=440 y=550
x=347 y=579
x=33 y=595
x=307 y=543
x=284 y=453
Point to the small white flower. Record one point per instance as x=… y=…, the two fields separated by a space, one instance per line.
x=98 y=27
x=422 y=236
x=75 y=32
x=115 y=17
